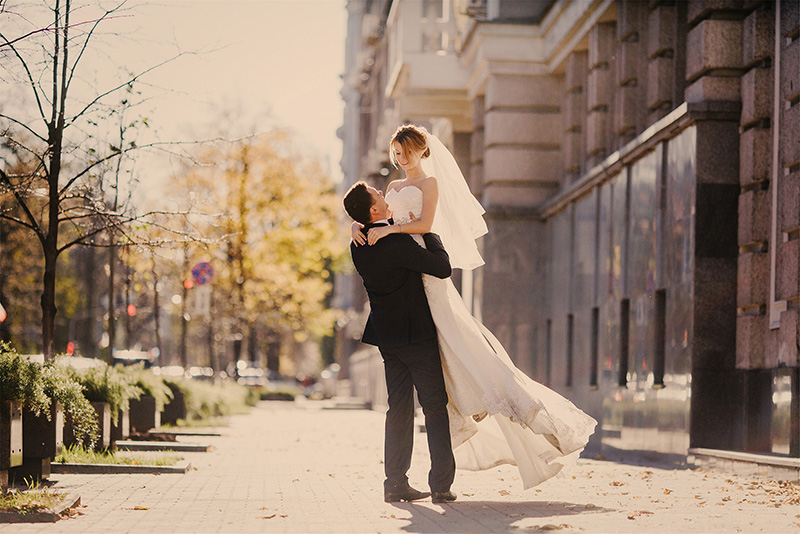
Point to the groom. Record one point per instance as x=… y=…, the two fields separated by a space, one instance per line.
x=400 y=324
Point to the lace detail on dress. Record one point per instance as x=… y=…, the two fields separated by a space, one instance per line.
x=403 y=201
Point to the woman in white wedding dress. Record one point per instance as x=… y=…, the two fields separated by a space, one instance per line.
x=498 y=415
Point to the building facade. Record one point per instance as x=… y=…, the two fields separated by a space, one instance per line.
x=639 y=162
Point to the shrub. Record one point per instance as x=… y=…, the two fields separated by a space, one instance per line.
x=37 y=386
x=104 y=383
x=205 y=400
x=21 y=381
x=151 y=385
x=61 y=387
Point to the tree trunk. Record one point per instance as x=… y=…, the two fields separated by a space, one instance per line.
x=184 y=321
x=213 y=361
x=5 y=331
x=252 y=348
x=273 y=343
x=49 y=300
x=128 y=316
x=156 y=309
x=112 y=303
x=89 y=349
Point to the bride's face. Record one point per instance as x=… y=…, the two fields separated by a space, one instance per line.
x=406 y=159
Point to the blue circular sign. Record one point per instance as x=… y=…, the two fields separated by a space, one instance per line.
x=202 y=273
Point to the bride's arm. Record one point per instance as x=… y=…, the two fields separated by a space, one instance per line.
x=357 y=234
x=421 y=225
x=355 y=229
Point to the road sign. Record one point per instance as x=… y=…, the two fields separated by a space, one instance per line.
x=202 y=273
x=201 y=301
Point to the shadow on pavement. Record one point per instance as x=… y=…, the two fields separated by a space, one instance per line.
x=466 y=516
x=640 y=458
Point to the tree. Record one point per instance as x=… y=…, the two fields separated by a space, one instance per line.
x=278 y=242
x=60 y=196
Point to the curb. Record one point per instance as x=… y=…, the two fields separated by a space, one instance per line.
x=163 y=446
x=181 y=467
x=180 y=432
x=47 y=516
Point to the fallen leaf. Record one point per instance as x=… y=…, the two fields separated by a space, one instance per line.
x=269 y=516
x=667 y=491
x=141 y=508
x=504 y=492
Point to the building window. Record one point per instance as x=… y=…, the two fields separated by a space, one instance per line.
x=660 y=340
x=548 y=364
x=624 y=341
x=593 y=348
x=570 y=347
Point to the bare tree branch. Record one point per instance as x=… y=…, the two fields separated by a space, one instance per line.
x=88 y=38
x=16 y=220
x=30 y=78
x=28 y=128
x=120 y=86
x=32 y=224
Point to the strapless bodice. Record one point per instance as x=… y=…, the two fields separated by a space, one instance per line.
x=407 y=199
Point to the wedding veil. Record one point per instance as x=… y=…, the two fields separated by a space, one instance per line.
x=459 y=216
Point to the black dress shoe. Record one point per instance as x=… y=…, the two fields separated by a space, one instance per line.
x=406 y=494
x=443 y=496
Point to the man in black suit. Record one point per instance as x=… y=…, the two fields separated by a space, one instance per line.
x=400 y=324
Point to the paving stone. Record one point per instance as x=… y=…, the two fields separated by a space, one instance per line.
x=293 y=467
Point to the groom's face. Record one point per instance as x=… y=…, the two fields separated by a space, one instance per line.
x=380 y=208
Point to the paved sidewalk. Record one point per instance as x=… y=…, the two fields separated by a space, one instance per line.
x=295 y=467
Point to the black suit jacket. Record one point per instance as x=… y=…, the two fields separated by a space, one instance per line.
x=391 y=270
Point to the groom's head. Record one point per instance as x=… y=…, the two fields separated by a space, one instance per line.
x=365 y=204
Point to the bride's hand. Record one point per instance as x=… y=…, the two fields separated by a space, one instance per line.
x=356 y=234
x=376 y=233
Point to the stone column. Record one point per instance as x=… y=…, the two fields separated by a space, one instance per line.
x=475 y=177
x=661 y=39
x=599 y=95
x=755 y=150
x=631 y=71
x=713 y=70
x=714 y=51
x=522 y=159
x=574 y=146
x=788 y=224
x=521 y=169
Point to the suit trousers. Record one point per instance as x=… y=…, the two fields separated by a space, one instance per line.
x=419 y=366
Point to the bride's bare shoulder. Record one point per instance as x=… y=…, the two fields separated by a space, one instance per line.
x=395 y=184
x=429 y=184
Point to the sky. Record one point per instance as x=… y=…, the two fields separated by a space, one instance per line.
x=271 y=62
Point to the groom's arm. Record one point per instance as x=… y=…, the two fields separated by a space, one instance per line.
x=434 y=260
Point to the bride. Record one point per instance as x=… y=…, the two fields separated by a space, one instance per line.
x=498 y=415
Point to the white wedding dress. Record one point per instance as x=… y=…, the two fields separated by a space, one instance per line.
x=498 y=415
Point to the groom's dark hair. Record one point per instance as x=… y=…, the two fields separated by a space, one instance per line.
x=357 y=202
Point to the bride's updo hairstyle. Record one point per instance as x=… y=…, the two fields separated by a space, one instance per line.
x=413 y=139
